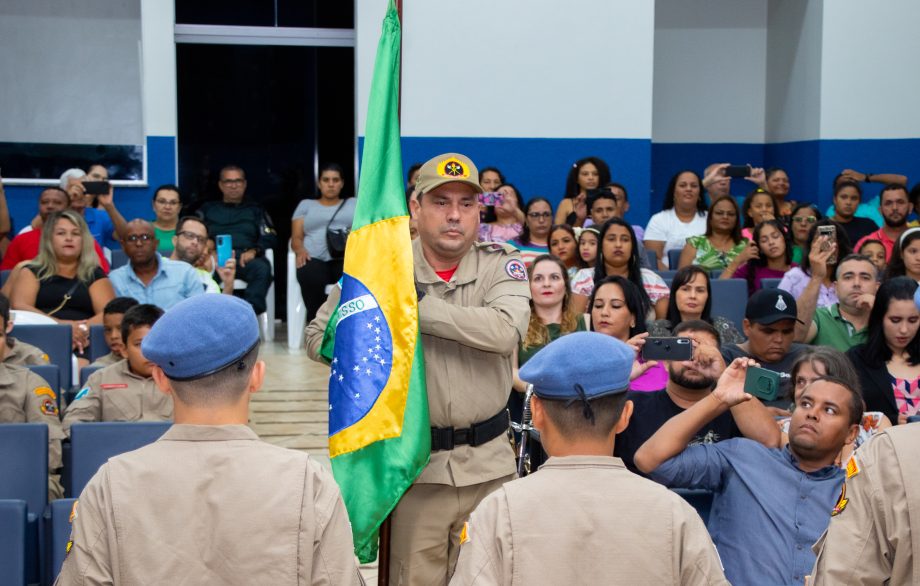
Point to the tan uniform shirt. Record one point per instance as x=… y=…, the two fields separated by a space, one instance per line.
x=586 y=520
x=210 y=505
x=470 y=326
x=107 y=360
x=874 y=535
x=24 y=354
x=26 y=397
x=116 y=394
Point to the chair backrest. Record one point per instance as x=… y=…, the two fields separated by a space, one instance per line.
x=4 y=275
x=51 y=373
x=97 y=346
x=13 y=517
x=674 y=258
x=24 y=464
x=56 y=341
x=92 y=444
x=85 y=373
x=771 y=283
x=701 y=500
x=119 y=258
x=667 y=275
x=59 y=533
x=651 y=258
x=729 y=299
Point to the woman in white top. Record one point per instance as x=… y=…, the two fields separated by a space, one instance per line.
x=316 y=267
x=683 y=215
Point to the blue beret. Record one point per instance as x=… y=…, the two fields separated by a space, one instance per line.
x=201 y=335
x=600 y=364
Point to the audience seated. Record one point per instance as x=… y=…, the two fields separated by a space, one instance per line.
x=587 y=246
x=845 y=323
x=868 y=209
x=190 y=245
x=509 y=217
x=797 y=278
x=619 y=190
x=770 y=504
x=112 y=316
x=905 y=257
x=563 y=244
x=691 y=299
x=888 y=363
x=124 y=391
x=895 y=207
x=618 y=308
x=534 y=238
x=167 y=204
x=683 y=215
x=64 y=281
x=251 y=230
x=847 y=196
x=768 y=256
x=99 y=223
x=490 y=179
x=758 y=207
x=776 y=182
x=602 y=205
x=586 y=174
x=722 y=241
x=804 y=216
x=874 y=250
x=688 y=383
x=717 y=184
x=618 y=254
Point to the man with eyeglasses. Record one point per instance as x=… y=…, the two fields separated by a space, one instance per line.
x=252 y=232
x=895 y=206
x=191 y=246
x=167 y=203
x=149 y=277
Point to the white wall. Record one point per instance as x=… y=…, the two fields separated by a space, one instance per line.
x=159 y=68
x=518 y=68
x=710 y=71
x=870 y=66
x=71 y=71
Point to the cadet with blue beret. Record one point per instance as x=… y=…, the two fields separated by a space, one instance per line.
x=583 y=518
x=209 y=502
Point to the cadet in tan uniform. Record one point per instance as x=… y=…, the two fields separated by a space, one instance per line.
x=583 y=518
x=125 y=390
x=209 y=503
x=18 y=352
x=112 y=315
x=473 y=311
x=874 y=533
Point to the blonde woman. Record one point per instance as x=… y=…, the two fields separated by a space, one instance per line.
x=65 y=281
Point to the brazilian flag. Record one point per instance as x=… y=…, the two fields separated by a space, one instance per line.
x=379 y=431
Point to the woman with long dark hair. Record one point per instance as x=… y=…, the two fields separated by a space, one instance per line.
x=722 y=241
x=804 y=216
x=691 y=299
x=796 y=279
x=563 y=244
x=770 y=260
x=534 y=238
x=888 y=363
x=584 y=175
x=683 y=215
x=905 y=257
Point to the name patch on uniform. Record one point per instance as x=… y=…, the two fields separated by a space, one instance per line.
x=39 y=391
x=852 y=467
x=516 y=270
x=49 y=407
x=841 y=502
x=114 y=386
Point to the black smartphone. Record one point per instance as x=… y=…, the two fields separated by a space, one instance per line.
x=738 y=171
x=96 y=187
x=762 y=383
x=667 y=349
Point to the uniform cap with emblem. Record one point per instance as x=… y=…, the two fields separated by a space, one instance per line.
x=769 y=306
x=447 y=168
x=201 y=335
x=580 y=365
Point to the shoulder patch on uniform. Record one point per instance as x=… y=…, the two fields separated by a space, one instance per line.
x=465 y=533
x=516 y=270
x=852 y=467
x=39 y=391
x=841 y=502
x=49 y=407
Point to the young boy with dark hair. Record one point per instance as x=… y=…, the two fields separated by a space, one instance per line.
x=25 y=397
x=124 y=391
x=112 y=314
x=18 y=352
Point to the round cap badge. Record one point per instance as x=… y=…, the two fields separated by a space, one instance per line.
x=454 y=168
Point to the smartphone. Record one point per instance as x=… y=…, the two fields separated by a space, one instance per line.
x=96 y=187
x=762 y=383
x=224 y=249
x=492 y=198
x=831 y=233
x=738 y=171
x=667 y=349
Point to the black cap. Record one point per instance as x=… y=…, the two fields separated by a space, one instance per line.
x=769 y=306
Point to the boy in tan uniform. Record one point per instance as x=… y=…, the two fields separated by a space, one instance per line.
x=125 y=390
x=112 y=315
x=209 y=503
x=583 y=518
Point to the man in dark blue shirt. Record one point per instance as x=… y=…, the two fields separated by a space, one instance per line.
x=770 y=505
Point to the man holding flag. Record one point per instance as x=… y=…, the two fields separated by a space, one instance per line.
x=472 y=312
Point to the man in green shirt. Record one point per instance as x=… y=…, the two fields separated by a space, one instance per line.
x=843 y=324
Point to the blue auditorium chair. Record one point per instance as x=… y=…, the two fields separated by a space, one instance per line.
x=771 y=283
x=59 y=532
x=97 y=346
x=650 y=258
x=701 y=500
x=119 y=258
x=674 y=258
x=52 y=375
x=729 y=300
x=92 y=444
x=13 y=542
x=56 y=340
x=667 y=275
x=86 y=372
x=4 y=275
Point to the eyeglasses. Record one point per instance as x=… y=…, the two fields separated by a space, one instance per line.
x=539 y=215
x=724 y=214
x=192 y=236
x=140 y=237
x=233 y=181
x=167 y=202
x=804 y=219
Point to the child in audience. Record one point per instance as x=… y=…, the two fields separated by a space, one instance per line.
x=125 y=390
x=758 y=207
x=905 y=258
x=875 y=251
x=587 y=245
x=112 y=317
x=18 y=352
x=768 y=256
x=25 y=397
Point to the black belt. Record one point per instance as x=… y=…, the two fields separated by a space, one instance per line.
x=445 y=438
